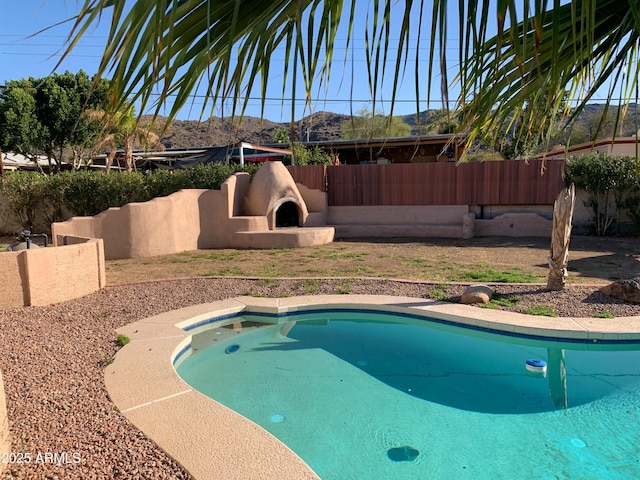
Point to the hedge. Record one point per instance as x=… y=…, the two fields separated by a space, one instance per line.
x=87 y=193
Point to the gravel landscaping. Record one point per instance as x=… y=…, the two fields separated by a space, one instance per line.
x=52 y=359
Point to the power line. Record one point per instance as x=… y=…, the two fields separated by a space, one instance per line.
x=47 y=45
x=48 y=55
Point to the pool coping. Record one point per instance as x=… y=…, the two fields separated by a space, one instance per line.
x=212 y=441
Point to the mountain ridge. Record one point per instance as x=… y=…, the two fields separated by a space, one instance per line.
x=326 y=126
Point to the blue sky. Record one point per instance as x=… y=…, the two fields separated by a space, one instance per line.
x=23 y=56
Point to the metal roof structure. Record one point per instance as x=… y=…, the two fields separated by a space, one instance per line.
x=17 y=161
x=363 y=150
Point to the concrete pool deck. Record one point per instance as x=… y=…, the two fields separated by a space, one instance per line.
x=212 y=441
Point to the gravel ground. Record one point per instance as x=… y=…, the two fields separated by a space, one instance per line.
x=52 y=359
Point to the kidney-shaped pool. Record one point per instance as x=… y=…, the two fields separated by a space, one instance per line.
x=361 y=394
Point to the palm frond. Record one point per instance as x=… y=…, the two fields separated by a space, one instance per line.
x=529 y=68
x=168 y=49
x=541 y=56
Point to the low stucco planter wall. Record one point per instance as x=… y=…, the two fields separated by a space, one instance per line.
x=514 y=225
x=428 y=221
x=44 y=276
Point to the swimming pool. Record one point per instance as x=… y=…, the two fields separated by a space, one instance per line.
x=362 y=394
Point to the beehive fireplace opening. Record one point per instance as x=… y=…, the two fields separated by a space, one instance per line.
x=287 y=215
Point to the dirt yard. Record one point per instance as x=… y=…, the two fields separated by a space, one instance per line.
x=592 y=260
x=435 y=268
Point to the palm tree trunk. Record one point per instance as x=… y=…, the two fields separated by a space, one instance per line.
x=560 y=235
x=128 y=155
x=110 y=156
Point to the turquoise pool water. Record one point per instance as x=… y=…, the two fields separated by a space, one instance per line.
x=365 y=395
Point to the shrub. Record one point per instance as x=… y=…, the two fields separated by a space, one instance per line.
x=609 y=180
x=84 y=194
x=213 y=175
x=25 y=192
x=632 y=207
x=87 y=193
x=53 y=197
x=161 y=183
x=310 y=155
x=126 y=188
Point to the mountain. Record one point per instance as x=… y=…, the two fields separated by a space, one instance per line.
x=318 y=126
x=323 y=126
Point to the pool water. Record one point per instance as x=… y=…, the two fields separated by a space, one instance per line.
x=366 y=395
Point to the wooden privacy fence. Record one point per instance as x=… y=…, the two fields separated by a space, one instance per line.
x=484 y=183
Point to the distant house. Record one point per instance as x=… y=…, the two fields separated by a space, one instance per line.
x=413 y=149
x=247 y=152
x=181 y=158
x=612 y=146
x=169 y=159
x=17 y=161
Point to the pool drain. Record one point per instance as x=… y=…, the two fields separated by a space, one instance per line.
x=232 y=348
x=577 y=442
x=277 y=418
x=403 y=454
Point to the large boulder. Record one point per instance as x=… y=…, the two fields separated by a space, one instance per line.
x=476 y=294
x=627 y=290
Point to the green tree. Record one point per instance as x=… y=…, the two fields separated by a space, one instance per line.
x=441 y=121
x=281 y=136
x=44 y=116
x=531 y=131
x=310 y=155
x=121 y=128
x=368 y=125
x=20 y=128
x=54 y=111
x=83 y=93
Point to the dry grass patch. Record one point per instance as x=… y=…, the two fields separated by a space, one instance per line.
x=496 y=259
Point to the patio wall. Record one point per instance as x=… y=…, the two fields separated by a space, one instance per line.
x=424 y=221
x=508 y=198
x=195 y=219
x=204 y=219
x=54 y=274
x=162 y=225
